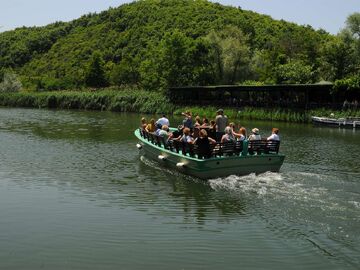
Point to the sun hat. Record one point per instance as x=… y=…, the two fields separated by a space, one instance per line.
x=255 y=130
x=220 y=111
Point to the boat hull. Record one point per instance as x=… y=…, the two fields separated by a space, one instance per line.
x=333 y=122
x=212 y=167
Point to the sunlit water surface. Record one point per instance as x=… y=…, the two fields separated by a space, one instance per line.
x=75 y=194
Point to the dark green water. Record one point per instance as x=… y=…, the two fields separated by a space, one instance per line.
x=74 y=194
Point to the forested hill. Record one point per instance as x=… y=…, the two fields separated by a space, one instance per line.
x=161 y=43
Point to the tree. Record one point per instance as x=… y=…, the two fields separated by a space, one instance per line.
x=177 y=60
x=9 y=82
x=337 y=59
x=230 y=54
x=353 y=24
x=95 y=72
x=294 y=72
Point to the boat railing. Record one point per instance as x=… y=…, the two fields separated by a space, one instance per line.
x=263 y=146
x=217 y=149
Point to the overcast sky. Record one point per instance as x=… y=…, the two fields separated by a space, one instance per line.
x=326 y=14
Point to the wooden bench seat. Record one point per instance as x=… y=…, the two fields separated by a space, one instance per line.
x=263 y=146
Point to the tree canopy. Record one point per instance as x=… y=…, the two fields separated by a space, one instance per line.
x=160 y=43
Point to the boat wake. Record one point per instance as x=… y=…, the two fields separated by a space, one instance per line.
x=258 y=184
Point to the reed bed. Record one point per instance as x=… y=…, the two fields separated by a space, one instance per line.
x=137 y=100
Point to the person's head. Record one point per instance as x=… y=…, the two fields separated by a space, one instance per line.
x=202 y=133
x=228 y=130
x=186 y=131
x=232 y=125
x=275 y=130
x=220 y=111
x=242 y=131
x=197 y=119
x=255 y=131
x=165 y=127
x=163 y=115
x=143 y=120
x=158 y=126
x=212 y=122
x=205 y=120
x=152 y=121
x=187 y=114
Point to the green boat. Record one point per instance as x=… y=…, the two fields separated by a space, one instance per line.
x=240 y=158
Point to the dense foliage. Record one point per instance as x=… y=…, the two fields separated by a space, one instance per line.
x=117 y=99
x=160 y=43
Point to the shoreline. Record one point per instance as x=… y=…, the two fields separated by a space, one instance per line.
x=146 y=102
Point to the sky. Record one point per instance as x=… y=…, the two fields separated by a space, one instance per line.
x=329 y=15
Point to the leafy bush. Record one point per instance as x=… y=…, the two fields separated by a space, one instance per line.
x=10 y=83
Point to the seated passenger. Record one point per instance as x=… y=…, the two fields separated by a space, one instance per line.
x=228 y=136
x=186 y=136
x=203 y=143
x=151 y=126
x=232 y=125
x=254 y=135
x=158 y=128
x=274 y=136
x=197 y=121
x=241 y=135
x=205 y=123
x=143 y=123
x=164 y=133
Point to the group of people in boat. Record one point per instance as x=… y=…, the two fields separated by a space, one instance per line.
x=203 y=132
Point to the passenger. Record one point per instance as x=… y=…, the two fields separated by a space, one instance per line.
x=274 y=136
x=187 y=122
x=164 y=133
x=158 y=128
x=205 y=123
x=241 y=135
x=254 y=135
x=203 y=143
x=143 y=123
x=213 y=125
x=151 y=126
x=228 y=136
x=212 y=129
x=221 y=123
x=186 y=136
x=232 y=126
x=197 y=121
x=163 y=121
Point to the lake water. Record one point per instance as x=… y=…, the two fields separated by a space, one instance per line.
x=75 y=194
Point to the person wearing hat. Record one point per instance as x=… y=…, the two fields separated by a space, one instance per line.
x=274 y=136
x=254 y=135
x=221 y=121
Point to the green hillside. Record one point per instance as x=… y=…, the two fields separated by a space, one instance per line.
x=159 y=43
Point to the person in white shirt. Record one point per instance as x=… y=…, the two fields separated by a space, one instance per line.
x=163 y=121
x=274 y=136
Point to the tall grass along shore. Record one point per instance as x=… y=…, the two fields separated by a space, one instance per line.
x=135 y=100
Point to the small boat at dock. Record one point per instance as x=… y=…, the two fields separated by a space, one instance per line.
x=348 y=122
x=239 y=158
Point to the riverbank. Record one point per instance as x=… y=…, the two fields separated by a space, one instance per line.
x=140 y=101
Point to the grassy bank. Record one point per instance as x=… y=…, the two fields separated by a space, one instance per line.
x=129 y=100
x=286 y=115
x=135 y=100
